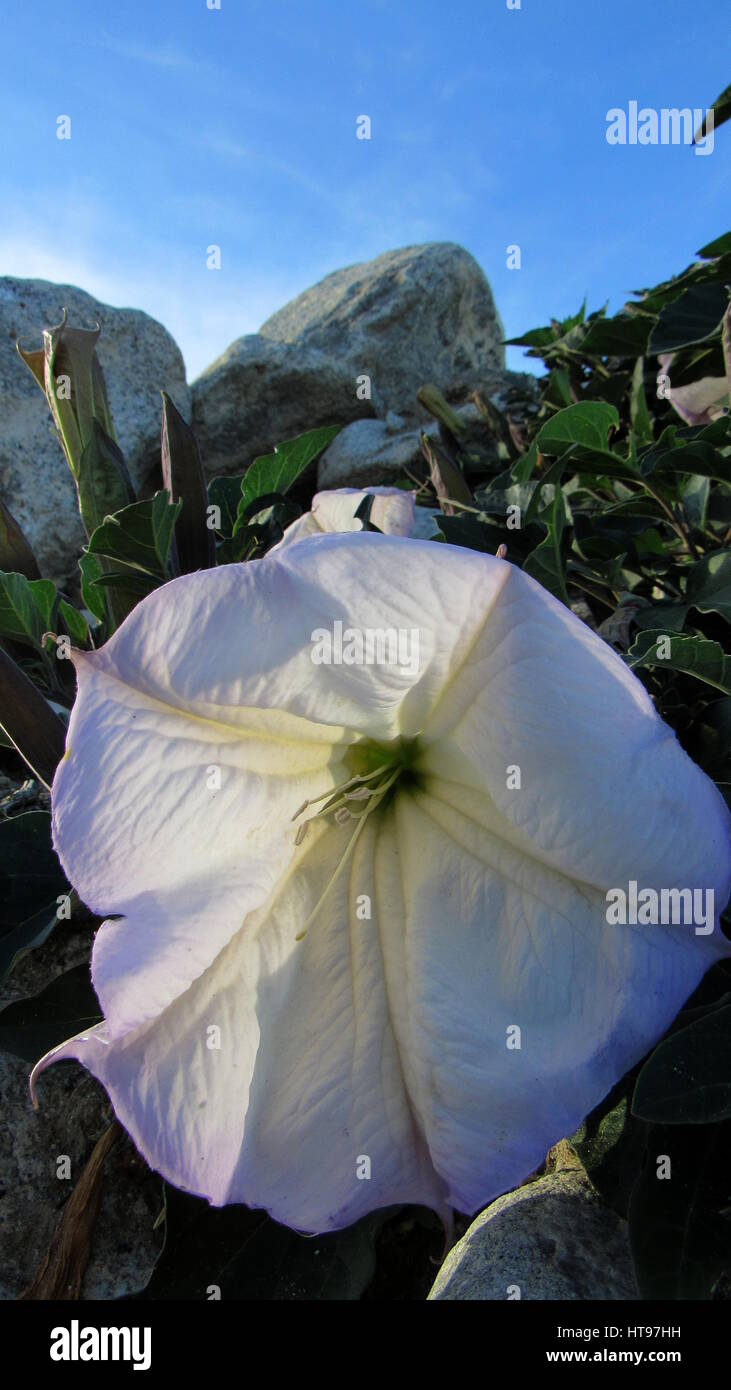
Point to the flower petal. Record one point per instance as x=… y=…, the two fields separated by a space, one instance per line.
x=495 y=940
x=606 y=792
x=393 y=513
x=302 y=1082
x=193 y=741
x=383 y=1036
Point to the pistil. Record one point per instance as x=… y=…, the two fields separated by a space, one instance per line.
x=368 y=788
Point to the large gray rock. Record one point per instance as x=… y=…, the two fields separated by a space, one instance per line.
x=551 y=1239
x=73 y=1113
x=422 y=314
x=383 y=451
x=260 y=392
x=369 y=452
x=139 y=359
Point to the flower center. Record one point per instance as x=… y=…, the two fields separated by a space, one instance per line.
x=368 y=756
x=376 y=768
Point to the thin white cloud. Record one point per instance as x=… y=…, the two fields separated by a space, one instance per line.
x=242 y=154
x=174 y=59
x=164 y=56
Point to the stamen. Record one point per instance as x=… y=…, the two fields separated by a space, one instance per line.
x=335 y=792
x=374 y=800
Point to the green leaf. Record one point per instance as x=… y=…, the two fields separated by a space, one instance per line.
x=233 y=550
x=16 y=555
x=132 y=550
x=686 y=456
x=225 y=493
x=524 y=467
x=29 y=722
x=447 y=478
x=708 y=588
x=623 y=336
x=720 y=247
x=638 y=412
x=91 y=570
x=261 y=506
x=104 y=485
x=610 y=1144
x=687 y=1080
x=69 y=373
x=130 y=582
x=660 y=617
x=263 y=525
x=534 y=338
x=692 y=318
x=695 y=656
x=74 y=622
x=695 y=493
x=717 y=433
x=278 y=471
x=31 y=1027
x=139 y=536
x=182 y=475
x=546 y=563
x=721 y=113
x=709 y=584
x=556 y=391
x=503 y=492
x=678 y=1225
x=31 y=879
x=719 y=507
x=587 y=423
x=27 y=609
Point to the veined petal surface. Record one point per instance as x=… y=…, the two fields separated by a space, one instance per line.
x=277 y=1014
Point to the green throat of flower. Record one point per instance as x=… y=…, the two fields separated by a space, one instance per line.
x=376 y=768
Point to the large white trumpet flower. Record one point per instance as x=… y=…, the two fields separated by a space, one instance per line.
x=361 y=953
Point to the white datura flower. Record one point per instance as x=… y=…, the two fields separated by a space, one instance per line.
x=394 y=512
x=359 y=950
x=699 y=403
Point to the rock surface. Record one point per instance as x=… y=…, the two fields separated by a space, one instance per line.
x=382 y=451
x=139 y=359
x=416 y=315
x=420 y=315
x=73 y=1113
x=551 y=1239
x=369 y=452
x=260 y=392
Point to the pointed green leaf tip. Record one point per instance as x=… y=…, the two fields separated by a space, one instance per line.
x=182 y=474
x=15 y=552
x=68 y=372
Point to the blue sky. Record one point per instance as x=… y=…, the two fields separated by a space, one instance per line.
x=237 y=127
